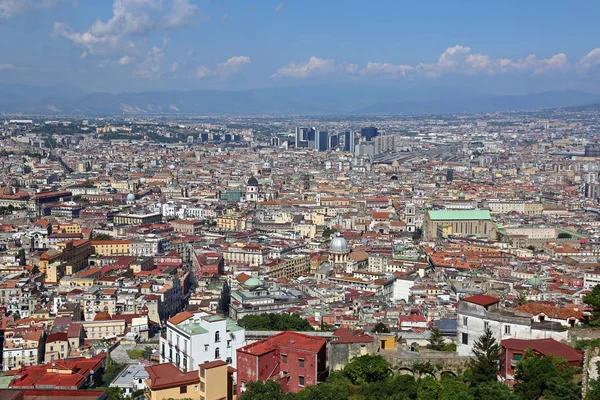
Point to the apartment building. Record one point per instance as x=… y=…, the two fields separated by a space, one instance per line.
x=195 y=338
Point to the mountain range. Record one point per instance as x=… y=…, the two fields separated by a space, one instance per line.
x=328 y=99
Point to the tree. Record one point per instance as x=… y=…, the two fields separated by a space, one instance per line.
x=494 y=391
x=380 y=327
x=275 y=322
x=417 y=234
x=225 y=299
x=593 y=299
x=367 y=369
x=429 y=389
x=564 y=235
x=454 y=389
x=264 y=390
x=484 y=366
x=551 y=377
x=521 y=299
x=102 y=236
x=436 y=340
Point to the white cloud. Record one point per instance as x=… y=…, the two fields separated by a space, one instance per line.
x=386 y=69
x=150 y=66
x=6 y=67
x=454 y=60
x=126 y=60
x=11 y=8
x=223 y=70
x=130 y=18
x=590 y=60
x=280 y=6
x=203 y=71
x=314 y=66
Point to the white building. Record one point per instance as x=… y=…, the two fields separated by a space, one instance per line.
x=591 y=279
x=195 y=338
x=402 y=287
x=475 y=313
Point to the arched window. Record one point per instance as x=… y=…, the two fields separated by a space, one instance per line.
x=217 y=353
x=217 y=337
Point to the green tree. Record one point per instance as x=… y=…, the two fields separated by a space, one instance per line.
x=102 y=236
x=454 y=389
x=275 y=322
x=380 y=327
x=436 y=340
x=417 y=234
x=551 y=377
x=593 y=390
x=484 y=367
x=394 y=387
x=429 y=389
x=494 y=391
x=367 y=369
x=593 y=299
x=564 y=235
x=264 y=390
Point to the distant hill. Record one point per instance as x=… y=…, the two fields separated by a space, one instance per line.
x=59 y=100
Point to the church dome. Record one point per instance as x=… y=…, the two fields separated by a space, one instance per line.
x=253 y=282
x=338 y=245
x=252 y=182
x=131 y=197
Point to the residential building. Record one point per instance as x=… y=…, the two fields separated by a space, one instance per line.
x=293 y=359
x=195 y=338
x=478 y=312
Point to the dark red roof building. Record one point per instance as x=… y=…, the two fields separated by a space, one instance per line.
x=513 y=350
x=293 y=359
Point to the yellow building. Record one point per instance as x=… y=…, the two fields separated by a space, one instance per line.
x=212 y=381
x=231 y=223
x=112 y=247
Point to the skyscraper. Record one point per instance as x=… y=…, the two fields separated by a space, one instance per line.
x=321 y=140
x=334 y=141
x=368 y=133
x=301 y=137
x=349 y=141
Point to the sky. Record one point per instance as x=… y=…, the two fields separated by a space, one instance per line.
x=504 y=47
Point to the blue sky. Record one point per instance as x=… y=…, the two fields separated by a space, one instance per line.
x=130 y=45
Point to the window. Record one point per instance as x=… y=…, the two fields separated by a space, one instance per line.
x=228 y=343
x=486 y=325
x=301 y=381
x=202 y=387
x=217 y=353
x=465 y=321
x=301 y=362
x=202 y=373
x=518 y=357
x=182 y=389
x=228 y=360
x=196 y=388
x=51 y=348
x=217 y=337
x=507 y=329
x=284 y=358
x=465 y=338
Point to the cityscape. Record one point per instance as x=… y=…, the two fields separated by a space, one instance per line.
x=252 y=229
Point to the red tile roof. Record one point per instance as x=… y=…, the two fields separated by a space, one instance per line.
x=163 y=376
x=482 y=300
x=545 y=347
x=286 y=339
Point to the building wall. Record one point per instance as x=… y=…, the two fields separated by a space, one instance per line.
x=175 y=393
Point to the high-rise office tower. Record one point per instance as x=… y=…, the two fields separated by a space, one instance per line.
x=321 y=140
x=334 y=141
x=301 y=137
x=349 y=141
x=368 y=133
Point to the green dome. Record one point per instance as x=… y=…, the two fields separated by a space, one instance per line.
x=253 y=282
x=535 y=281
